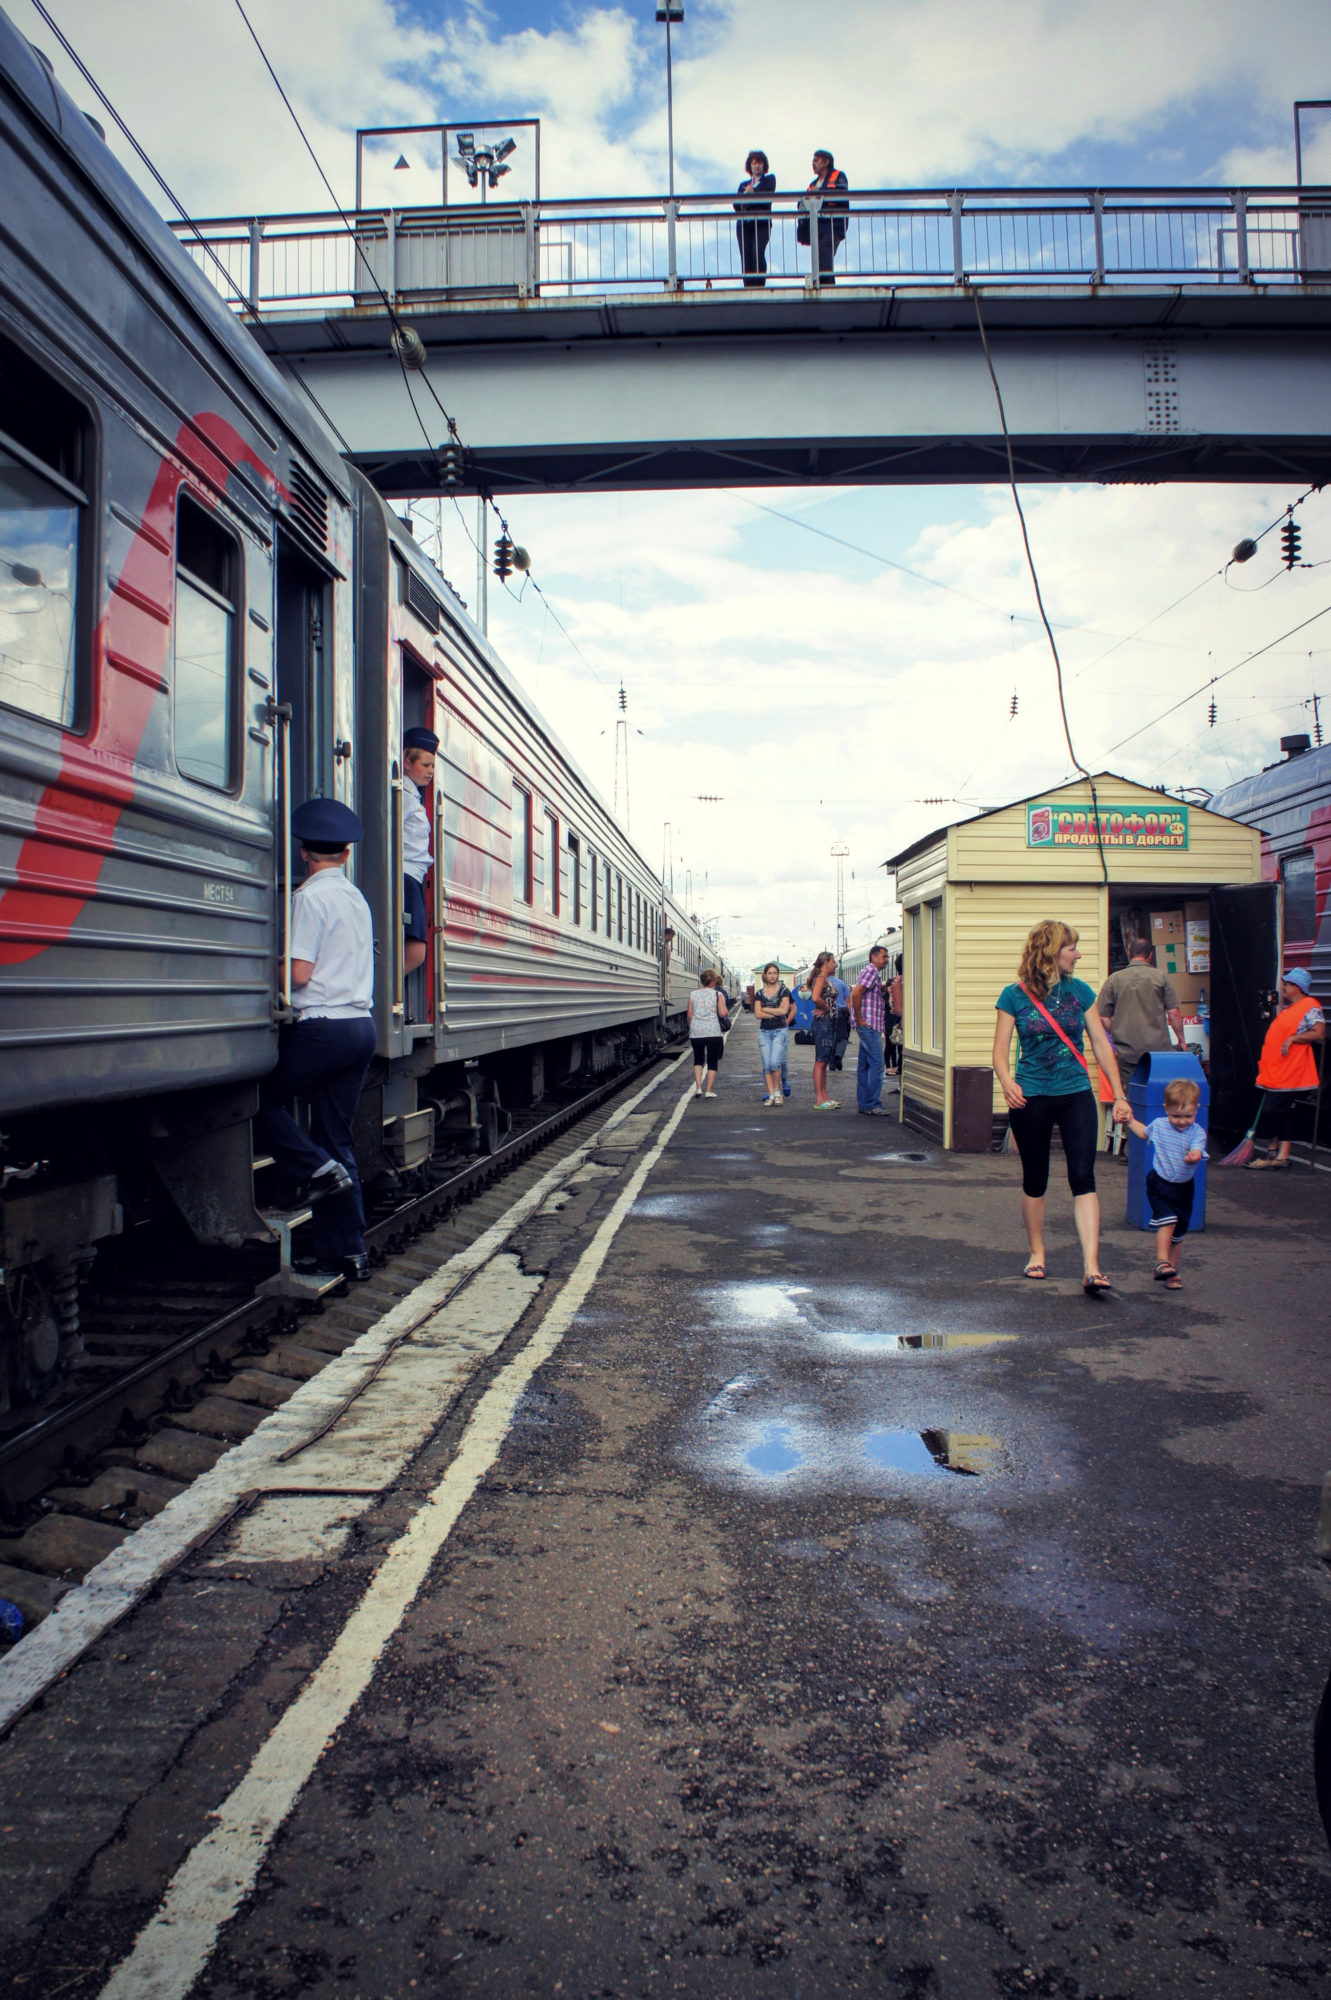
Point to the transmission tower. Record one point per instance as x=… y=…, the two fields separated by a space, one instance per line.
x=839 y=853
x=622 y=756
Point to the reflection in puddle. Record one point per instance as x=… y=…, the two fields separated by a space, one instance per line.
x=774 y=1453
x=908 y=1159
x=930 y=1452
x=919 y=1343
x=669 y=1207
x=729 y=1156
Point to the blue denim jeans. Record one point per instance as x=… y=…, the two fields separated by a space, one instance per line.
x=869 y=1070
x=772 y=1044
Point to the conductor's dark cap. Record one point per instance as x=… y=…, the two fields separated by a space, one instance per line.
x=420 y=739
x=326 y=823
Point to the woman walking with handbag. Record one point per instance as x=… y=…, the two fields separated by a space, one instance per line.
x=1049 y=1009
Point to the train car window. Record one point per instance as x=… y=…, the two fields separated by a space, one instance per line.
x=575 y=862
x=521 y=845
x=593 y=884
x=620 y=927
x=609 y=903
x=1298 y=874
x=552 y=864
x=43 y=446
x=207 y=565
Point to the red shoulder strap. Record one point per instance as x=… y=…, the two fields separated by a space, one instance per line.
x=1054 y=1025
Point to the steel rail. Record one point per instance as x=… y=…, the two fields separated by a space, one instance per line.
x=31 y=1459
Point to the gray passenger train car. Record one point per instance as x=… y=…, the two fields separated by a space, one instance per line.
x=206 y=616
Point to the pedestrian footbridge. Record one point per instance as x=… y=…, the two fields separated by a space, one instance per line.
x=1138 y=335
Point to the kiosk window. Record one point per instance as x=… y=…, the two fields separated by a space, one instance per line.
x=205 y=648
x=43 y=434
x=1299 y=875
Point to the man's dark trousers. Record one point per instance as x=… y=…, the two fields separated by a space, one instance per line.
x=324 y=1062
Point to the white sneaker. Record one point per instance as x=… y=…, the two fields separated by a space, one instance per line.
x=769 y=1100
x=697 y=1090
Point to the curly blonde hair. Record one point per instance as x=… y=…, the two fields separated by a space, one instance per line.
x=1039 y=958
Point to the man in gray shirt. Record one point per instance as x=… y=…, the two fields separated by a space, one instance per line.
x=1139 y=1006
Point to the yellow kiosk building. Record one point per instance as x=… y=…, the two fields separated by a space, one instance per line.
x=1188 y=879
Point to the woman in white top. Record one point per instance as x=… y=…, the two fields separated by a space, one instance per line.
x=707 y=1009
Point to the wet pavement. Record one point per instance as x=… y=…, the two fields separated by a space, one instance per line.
x=842 y=1614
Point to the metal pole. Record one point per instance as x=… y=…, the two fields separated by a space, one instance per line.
x=482 y=572
x=670 y=108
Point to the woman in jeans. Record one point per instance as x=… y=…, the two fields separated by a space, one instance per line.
x=773 y=1005
x=706 y=1011
x=824 y=996
x=1052 y=1086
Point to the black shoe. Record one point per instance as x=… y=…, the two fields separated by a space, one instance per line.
x=357 y=1269
x=332 y=1179
x=875 y=1111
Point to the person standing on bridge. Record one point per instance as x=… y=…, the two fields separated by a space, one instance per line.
x=754 y=228
x=832 y=187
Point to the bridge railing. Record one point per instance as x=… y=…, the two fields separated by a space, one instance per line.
x=1058 y=237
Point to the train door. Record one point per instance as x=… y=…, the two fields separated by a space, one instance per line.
x=425 y=984
x=1245 y=966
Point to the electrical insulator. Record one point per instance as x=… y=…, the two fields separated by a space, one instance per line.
x=1245 y=550
x=1012 y=706
x=503 y=562
x=1211 y=712
x=1291 y=541
x=450 y=465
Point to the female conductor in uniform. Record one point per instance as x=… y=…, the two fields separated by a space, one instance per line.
x=324 y=1054
x=1048 y=1008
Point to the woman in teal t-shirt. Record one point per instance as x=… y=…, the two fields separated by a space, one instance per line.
x=1052 y=1086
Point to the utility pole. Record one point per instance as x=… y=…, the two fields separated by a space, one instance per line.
x=482 y=571
x=839 y=853
x=667 y=859
x=622 y=752
x=668 y=11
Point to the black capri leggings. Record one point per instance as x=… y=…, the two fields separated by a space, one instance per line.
x=708 y=1054
x=1280 y=1113
x=1078 y=1121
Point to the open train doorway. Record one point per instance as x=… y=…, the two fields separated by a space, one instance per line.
x=424 y=982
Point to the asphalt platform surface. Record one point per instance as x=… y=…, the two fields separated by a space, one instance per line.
x=842 y=1614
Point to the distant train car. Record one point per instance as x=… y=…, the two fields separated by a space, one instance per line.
x=205 y=617
x=1291 y=803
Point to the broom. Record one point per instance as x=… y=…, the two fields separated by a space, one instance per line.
x=1243 y=1152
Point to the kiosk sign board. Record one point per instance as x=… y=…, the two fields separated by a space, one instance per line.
x=1165 y=825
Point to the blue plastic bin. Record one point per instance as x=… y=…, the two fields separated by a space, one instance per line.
x=1146 y=1095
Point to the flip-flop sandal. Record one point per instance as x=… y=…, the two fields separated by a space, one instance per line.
x=1174 y=1284
x=1033 y=1271
x=1163 y=1271
x=1096 y=1286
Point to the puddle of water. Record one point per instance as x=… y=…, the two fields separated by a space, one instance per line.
x=927 y=1453
x=730 y=1156
x=773 y=1454
x=759 y=1303
x=919 y=1343
x=910 y=1159
x=670 y=1207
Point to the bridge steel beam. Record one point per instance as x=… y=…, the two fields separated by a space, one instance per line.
x=869 y=387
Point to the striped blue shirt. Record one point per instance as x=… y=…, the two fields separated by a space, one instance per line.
x=1170 y=1145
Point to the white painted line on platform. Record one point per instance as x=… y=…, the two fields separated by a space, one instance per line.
x=117 y=1584
x=208 y=1888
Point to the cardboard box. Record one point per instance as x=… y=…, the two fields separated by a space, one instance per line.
x=1169 y=937
x=1197 y=936
x=1190 y=987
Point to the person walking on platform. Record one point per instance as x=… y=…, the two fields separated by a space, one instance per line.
x=868 y=1004
x=842 y=1021
x=774 y=1004
x=324 y=1054
x=1139 y=1006
x=754 y=228
x=824 y=997
x=419 y=747
x=1178 y=1147
x=1049 y=1009
x=1287 y=1071
x=706 y=1011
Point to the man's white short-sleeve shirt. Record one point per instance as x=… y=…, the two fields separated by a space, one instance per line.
x=331 y=927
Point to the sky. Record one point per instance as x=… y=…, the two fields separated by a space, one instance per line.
x=786 y=692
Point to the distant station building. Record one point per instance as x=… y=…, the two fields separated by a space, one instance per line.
x=1188 y=879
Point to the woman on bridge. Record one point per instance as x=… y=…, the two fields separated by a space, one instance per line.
x=1048 y=1008
x=754 y=229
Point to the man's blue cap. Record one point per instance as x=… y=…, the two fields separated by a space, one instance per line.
x=420 y=739
x=1299 y=975
x=327 y=822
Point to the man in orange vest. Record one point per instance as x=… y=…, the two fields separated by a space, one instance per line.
x=1288 y=1068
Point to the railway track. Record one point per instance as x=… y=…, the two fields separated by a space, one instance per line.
x=84 y=1476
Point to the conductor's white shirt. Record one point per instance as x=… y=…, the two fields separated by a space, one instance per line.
x=331 y=927
x=415 y=833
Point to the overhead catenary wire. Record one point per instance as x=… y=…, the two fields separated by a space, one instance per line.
x=1247 y=660
x=1035 y=584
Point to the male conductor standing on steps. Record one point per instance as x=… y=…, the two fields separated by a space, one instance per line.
x=868 y=1003
x=324 y=1054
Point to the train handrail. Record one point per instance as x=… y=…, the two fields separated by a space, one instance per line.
x=439 y=901
x=399 y=1007
x=281 y=717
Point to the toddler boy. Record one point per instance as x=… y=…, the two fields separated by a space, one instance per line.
x=418 y=754
x=1179 y=1142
